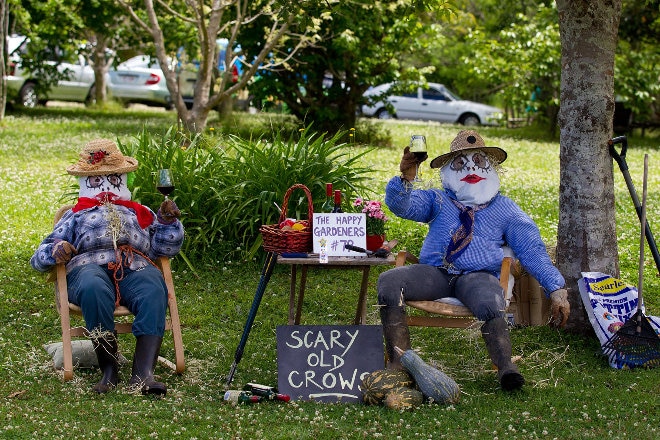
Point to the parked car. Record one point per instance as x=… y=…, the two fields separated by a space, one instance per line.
x=140 y=80
x=77 y=83
x=434 y=103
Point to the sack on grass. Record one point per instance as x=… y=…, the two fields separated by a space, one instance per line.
x=82 y=353
x=609 y=303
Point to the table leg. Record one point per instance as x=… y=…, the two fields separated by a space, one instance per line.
x=301 y=293
x=361 y=312
x=292 y=294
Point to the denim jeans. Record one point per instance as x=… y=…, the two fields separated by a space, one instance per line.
x=143 y=292
x=478 y=291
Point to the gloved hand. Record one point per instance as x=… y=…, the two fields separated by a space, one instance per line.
x=63 y=251
x=409 y=162
x=560 y=308
x=168 y=211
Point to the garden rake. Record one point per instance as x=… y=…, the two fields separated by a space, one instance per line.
x=636 y=344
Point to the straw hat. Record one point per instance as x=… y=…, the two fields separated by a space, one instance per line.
x=468 y=140
x=99 y=157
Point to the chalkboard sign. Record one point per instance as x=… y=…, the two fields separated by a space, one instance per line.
x=327 y=363
x=338 y=229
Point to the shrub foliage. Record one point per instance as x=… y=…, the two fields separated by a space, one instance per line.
x=227 y=187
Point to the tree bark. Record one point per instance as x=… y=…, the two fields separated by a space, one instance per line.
x=586 y=233
x=4 y=23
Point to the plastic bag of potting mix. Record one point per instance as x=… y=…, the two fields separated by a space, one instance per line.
x=610 y=302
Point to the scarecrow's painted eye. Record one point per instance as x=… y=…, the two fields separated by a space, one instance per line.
x=95 y=181
x=114 y=180
x=481 y=160
x=459 y=162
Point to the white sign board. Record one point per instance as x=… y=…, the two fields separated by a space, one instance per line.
x=339 y=229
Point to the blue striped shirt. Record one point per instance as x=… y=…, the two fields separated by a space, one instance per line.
x=88 y=232
x=501 y=222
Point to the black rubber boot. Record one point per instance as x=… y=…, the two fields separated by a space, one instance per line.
x=147 y=348
x=105 y=348
x=396 y=333
x=498 y=343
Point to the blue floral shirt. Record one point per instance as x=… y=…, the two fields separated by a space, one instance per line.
x=500 y=222
x=89 y=232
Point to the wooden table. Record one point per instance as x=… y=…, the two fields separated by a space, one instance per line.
x=347 y=263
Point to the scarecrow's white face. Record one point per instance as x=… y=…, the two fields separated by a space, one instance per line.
x=95 y=187
x=472 y=177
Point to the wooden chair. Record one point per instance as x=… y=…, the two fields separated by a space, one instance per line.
x=66 y=309
x=450 y=312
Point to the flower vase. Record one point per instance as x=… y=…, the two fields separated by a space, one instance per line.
x=374 y=242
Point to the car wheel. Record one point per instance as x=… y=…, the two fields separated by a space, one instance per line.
x=384 y=114
x=28 y=97
x=470 y=119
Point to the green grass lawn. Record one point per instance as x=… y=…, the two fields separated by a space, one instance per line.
x=571 y=392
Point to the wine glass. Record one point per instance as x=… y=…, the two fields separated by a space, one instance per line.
x=165 y=183
x=418 y=148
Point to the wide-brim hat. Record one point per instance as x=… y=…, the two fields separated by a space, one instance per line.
x=468 y=140
x=101 y=156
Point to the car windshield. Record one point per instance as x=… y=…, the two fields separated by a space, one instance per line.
x=453 y=95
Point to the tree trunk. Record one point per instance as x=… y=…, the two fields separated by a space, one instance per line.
x=586 y=234
x=101 y=67
x=4 y=23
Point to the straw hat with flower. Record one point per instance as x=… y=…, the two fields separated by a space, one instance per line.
x=101 y=156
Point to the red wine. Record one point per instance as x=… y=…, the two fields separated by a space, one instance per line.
x=165 y=190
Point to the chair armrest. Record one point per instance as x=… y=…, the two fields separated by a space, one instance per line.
x=403 y=257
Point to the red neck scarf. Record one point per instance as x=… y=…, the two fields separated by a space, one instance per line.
x=144 y=215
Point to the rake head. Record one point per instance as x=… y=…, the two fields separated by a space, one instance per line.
x=635 y=344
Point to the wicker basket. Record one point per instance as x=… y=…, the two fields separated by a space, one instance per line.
x=281 y=241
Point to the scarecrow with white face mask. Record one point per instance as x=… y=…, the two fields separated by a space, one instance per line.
x=108 y=244
x=469 y=224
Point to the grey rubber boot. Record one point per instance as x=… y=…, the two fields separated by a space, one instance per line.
x=147 y=348
x=105 y=348
x=396 y=333
x=498 y=343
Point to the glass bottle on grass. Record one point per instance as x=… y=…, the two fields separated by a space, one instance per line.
x=418 y=148
x=245 y=397
x=269 y=393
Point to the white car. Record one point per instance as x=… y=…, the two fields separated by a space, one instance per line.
x=435 y=103
x=22 y=86
x=140 y=80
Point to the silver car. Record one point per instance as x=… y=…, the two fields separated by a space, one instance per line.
x=77 y=84
x=140 y=80
x=435 y=103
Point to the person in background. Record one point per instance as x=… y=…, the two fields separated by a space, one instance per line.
x=108 y=244
x=470 y=223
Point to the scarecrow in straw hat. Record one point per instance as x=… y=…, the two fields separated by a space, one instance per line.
x=470 y=222
x=108 y=243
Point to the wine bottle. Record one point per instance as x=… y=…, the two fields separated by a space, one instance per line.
x=328 y=205
x=245 y=397
x=269 y=393
x=337 y=207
